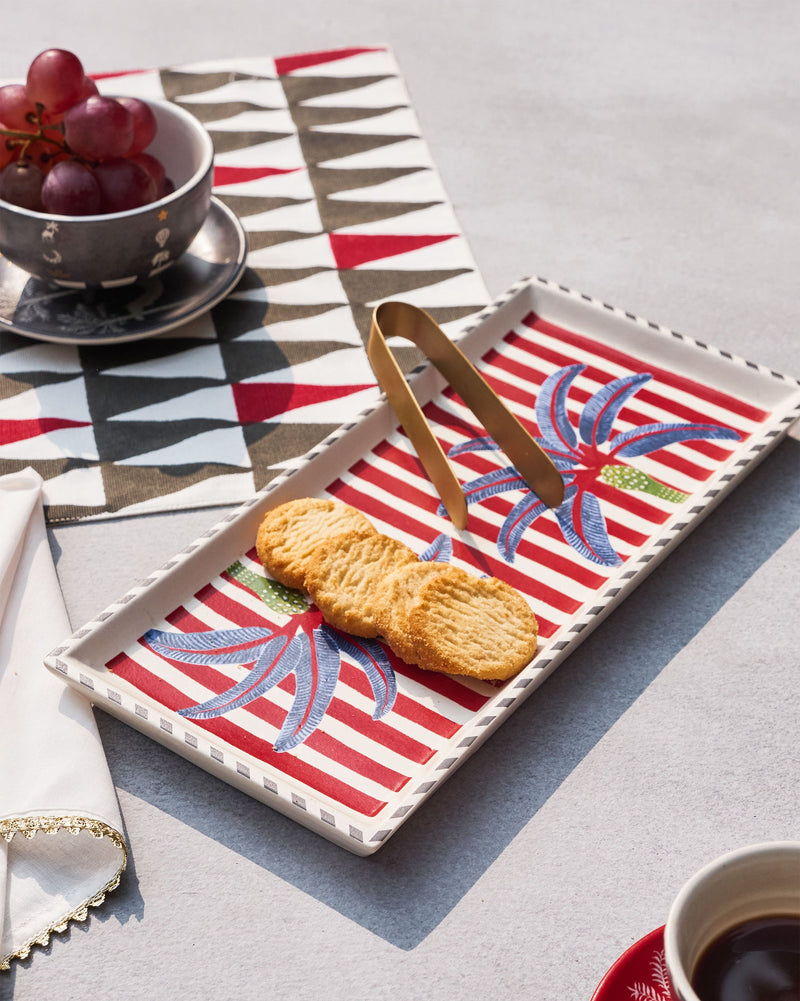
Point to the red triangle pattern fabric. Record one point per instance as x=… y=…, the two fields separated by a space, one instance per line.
x=263 y=401
x=237 y=175
x=288 y=64
x=11 y=431
x=113 y=75
x=352 y=249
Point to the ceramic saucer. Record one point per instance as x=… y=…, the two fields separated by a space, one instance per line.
x=196 y=281
x=640 y=973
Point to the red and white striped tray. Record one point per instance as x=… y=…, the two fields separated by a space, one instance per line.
x=651 y=430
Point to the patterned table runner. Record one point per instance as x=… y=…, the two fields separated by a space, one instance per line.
x=321 y=156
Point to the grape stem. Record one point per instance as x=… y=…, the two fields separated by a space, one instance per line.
x=16 y=137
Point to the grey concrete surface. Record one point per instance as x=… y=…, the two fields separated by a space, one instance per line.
x=646 y=154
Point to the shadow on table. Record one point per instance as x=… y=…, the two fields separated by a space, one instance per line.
x=410 y=885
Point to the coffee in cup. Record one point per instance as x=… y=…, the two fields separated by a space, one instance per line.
x=733 y=932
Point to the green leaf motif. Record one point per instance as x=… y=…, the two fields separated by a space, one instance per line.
x=275 y=596
x=628 y=478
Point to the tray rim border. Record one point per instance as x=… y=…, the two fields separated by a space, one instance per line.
x=357 y=833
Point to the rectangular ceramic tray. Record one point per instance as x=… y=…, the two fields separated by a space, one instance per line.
x=651 y=430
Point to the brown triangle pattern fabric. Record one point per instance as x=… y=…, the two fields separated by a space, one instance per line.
x=221 y=111
x=301 y=88
x=306 y=118
x=176 y=83
x=225 y=141
x=253 y=205
x=329 y=181
x=266 y=238
x=321 y=157
x=324 y=147
x=337 y=214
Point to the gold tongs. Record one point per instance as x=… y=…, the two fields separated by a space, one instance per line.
x=400 y=319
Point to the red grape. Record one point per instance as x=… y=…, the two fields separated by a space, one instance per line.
x=52 y=119
x=55 y=79
x=71 y=189
x=88 y=89
x=144 y=123
x=21 y=184
x=155 y=168
x=75 y=151
x=16 y=108
x=99 y=128
x=123 y=185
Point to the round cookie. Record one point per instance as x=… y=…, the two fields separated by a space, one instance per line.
x=346 y=573
x=394 y=601
x=476 y=626
x=289 y=533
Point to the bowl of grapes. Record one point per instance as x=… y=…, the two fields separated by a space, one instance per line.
x=96 y=191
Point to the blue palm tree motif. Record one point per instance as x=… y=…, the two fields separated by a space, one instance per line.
x=305 y=646
x=578 y=455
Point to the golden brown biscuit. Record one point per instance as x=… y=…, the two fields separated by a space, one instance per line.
x=345 y=574
x=477 y=626
x=394 y=600
x=290 y=532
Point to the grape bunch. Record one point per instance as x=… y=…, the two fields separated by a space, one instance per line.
x=67 y=150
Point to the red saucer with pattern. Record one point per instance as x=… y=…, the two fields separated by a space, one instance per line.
x=640 y=973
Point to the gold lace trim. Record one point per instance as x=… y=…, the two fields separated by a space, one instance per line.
x=28 y=827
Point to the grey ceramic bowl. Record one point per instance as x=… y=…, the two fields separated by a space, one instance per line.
x=121 y=247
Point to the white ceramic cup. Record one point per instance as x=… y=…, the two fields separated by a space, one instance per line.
x=758 y=881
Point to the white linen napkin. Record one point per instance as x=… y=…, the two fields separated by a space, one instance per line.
x=61 y=848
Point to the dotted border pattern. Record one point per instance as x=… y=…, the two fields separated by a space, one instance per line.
x=304 y=807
